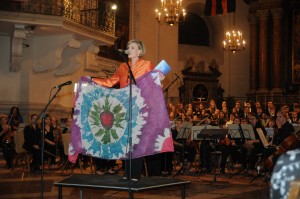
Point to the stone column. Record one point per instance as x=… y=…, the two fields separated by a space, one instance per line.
x=252 y=18
x=276 y=51
x=263 y=73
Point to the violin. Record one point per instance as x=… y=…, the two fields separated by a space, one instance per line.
x=225 y=140
x=289 y=143
x=7 y=134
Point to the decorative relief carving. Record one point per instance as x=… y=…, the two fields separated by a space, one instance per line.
x=100 y=64
x=75 y=54
x=54 y=58
x=72 y=55
x=16 y=48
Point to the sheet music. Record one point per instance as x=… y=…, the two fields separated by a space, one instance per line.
x=262 y=137
x=185 y=130
x=270 y=132
x=234 y=131
x=248 y=131
x=196 y=130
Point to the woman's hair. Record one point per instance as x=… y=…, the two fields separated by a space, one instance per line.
x=14 y=108
x=283 y=114
x=140 y=45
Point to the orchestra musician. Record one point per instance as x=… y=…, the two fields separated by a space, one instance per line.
x=15 y=118
x=6 y=136
x=228 y=147
x=186 y=148
x=32 y=143
x=284 y=139
x=254 y=147
x=205 y=149
x=284 y=128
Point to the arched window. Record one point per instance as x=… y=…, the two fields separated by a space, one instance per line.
x=193 y=31
x=200 y=93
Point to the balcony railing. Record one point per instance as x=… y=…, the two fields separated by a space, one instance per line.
x=95 y=14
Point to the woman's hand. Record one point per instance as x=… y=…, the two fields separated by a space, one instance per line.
x=161 y=76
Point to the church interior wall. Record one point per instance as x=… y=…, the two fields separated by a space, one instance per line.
x=30 y=89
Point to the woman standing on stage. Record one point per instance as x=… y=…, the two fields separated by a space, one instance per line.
x=135 y=50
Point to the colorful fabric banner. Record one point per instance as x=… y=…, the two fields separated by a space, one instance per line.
x=101 y=120
x=214 y=7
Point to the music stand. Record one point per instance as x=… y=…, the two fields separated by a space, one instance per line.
x=196 y=132
x=234 y=131
x=247 y=129
x=184 y=130
x=182 y=135
x=242 y=132
x=214 y=133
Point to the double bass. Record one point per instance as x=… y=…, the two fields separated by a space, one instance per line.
x=289 y=143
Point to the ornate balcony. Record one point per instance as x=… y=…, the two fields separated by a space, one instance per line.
x=92 y=18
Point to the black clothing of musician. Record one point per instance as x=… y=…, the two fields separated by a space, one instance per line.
x=285 y=129
x=283 y=132
x=185 y=150
x=32 y=138
x=257 y=146
x=50 y=150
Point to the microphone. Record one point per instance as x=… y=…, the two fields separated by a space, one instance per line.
x=124 y=51
x=177 y=76
x=63 y=84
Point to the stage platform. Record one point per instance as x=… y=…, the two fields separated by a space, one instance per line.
x=114 y=182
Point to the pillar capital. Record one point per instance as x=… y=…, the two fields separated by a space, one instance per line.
x=252 y=18
x=277 y=13
x=263 y=14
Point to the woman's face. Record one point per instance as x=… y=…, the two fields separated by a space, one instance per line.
x=48 y=120
x=271 y=123
x=134 y=51
x=236 y=121
x=4 y=120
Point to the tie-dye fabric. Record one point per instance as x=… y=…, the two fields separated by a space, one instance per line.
x=101 y=120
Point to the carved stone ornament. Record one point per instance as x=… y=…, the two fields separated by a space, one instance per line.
x=16 y=48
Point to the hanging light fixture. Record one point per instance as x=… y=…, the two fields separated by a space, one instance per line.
x=233 y=40
x=170 y=12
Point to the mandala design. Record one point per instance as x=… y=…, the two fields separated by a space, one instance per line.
x=106 y=118
x=103 y=117
x=101 y=125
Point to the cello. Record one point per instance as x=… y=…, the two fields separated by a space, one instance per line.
x=289 y=143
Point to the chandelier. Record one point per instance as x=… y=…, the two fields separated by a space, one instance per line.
x=170 y=12
x=233 y=40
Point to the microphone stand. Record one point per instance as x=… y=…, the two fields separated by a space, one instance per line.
x=132 y=79
x=42 y=115
x=204 y=162
x=167 y=89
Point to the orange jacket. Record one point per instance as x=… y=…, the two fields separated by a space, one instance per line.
x=122 y=75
